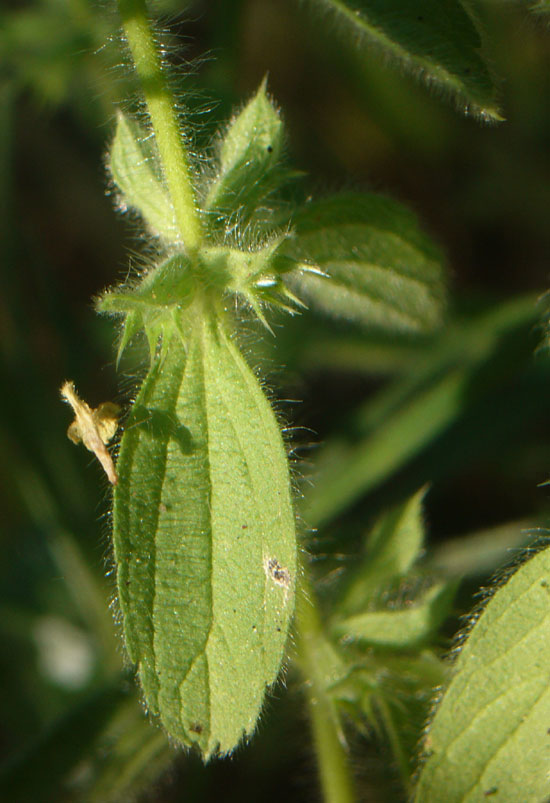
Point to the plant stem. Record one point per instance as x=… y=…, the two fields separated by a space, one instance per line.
x=334 y=772
x=162 y=110
x=395 y=745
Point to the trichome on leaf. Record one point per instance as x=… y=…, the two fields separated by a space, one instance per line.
x=203 y=526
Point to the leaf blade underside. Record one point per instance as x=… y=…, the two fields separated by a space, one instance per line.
x=204 y=541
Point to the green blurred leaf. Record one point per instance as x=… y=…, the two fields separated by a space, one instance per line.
x=368 y=262
x=41 y=772
x=482 y=552
x=392 y=693
x=318 y=345
x=131 y=755
x=62 y=52
x=205 y=576
x=434 y=39
x=135 y=170
x=405 y=419
x=489 y=736
x=541 y=7
x=401 y=628
x=392 y=547
x=39 y=43
x=248 y=156
x=403 y=701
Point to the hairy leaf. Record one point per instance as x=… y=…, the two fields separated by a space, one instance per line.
x=371 y=263
x=393 y=545
x=434 y=39
x=489 y=737
x=247 y=157
x=392 y=692
x=254 y=275
x=169 y=284
x=154 y=304
x=204 y=541
x=134 y=168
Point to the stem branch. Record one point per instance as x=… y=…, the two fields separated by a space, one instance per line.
x=335 y=776
x=162 y=110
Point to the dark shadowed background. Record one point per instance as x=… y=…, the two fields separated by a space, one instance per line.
x=483 y=192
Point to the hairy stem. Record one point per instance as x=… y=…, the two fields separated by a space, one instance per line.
x=395 y=744
x=162 y=110
x=335 y=776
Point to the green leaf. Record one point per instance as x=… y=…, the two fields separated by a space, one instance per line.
x=489 y=737
x=204 y=541
x=393 y=546
x=135 y=170
x=369 y=262
x=392 y=692
x=133 y=324
x=401 y=628
x=167 y=285
x=254 y=275
x=402 y=702
x=154 y=304
x=417 y=411
x=433 y=39
x=541 y=7
x=482 y=552
x=128 y=759
x=247 y=160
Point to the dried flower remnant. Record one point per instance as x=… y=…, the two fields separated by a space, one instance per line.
x=94 y=428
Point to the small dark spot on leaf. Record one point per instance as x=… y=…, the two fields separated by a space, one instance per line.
x=196 y=727
x=244 y=526
x=492 y=791
x=420 y=19
x=278 y=630
x=543 y=584
x=270 y=148
x=254 y=627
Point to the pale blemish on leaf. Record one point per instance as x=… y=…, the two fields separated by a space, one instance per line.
x=277 y=574
x=95 y=428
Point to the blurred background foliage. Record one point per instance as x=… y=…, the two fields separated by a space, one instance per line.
x=465 y=410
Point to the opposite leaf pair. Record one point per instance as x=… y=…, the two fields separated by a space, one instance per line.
x=357 y=256
x=203 y=528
